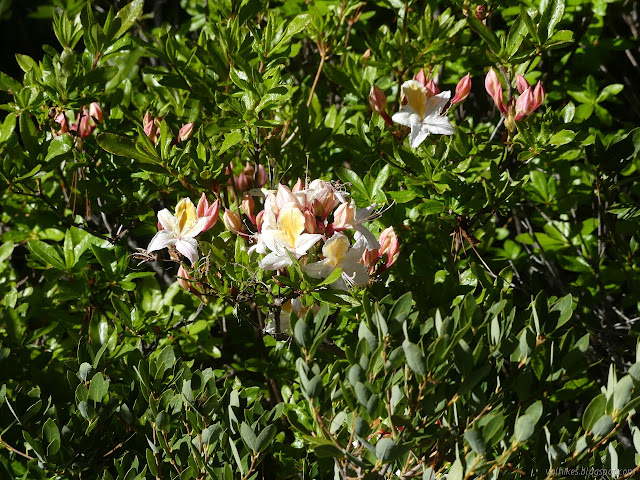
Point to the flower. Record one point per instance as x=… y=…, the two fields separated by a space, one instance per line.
x=378 y=103
x=283 y=236
x=338 y=254
x=494 y=89
x=233 y=222
x=347 y=216
x=389 y=246
x=515 y=109
x=179 y=230
x=422 y=112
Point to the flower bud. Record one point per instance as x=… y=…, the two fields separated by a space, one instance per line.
x=96 y=112
x=524 y=104
x=432 y=88
x=366 y=56
x=493 y=87
x=421 y=77
x=149 y=127
x=261 y=177
x=259 y=219
x=84 y=124
x=389 y=246
x=343 y=216
x=211 y=211
x=377 y=100
x=248 y=207
x=538 y=95
x=243 y=183
x=521 y=83
x=370 y=259
x=184 y=278
x=232 y=222
x=185 y=132
x=462 y=89
x=61 y=119
x=249 y=170
x=309 y=222
x=298 y=187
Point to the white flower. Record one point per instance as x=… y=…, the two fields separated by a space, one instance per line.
x=282 y=236
x=338 y=254
x=348 y=216
x=422 y=113
x=179 y=230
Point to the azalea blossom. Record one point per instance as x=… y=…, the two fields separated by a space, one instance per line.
x=179 y=230
x=422 y=113
x=347 y=216
x=338 y=254
x=284 y=236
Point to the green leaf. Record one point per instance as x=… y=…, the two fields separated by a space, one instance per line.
x=9 y=84
x=385 y=449
x=47 y=254
x=29 y=133
x=565 y=307
x=58 y=146
x=350 y=177
x=124 y=147
x=603 y=426
x=415 y=357
x=51 y=434
x=515 y=37
x=230 y=139
x=475 y=441
x=128 y=16
x=248 y=437
x=333 y=276
x=593 y=412
x=485 y=33
x=98 y=387
x=401 y=308
x=622 y=392
x=524 y=428
x=328 y=450
x=562 y=137
x=568 y=112
x=559 y=39
x=8 y=126
x=265 y=438
x=550 y=17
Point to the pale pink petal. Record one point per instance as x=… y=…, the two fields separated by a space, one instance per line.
x=167 y=220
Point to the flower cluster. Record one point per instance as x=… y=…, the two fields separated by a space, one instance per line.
x=85 y=124
x=515 y=109
x=151 y=127
x=293 y=221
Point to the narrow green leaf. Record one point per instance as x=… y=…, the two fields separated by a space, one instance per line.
x=128 y=15
x=47 y=254
x=492 y=42
x=124 y=147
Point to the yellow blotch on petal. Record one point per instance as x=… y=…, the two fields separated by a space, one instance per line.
x=290 y=225
x=416 y=96
x=335 y=250
x=186 y=214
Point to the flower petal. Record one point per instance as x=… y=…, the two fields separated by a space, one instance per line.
x=273 y=261
x=364 y=239
x=189 y=248
x=438 y=125
x=418 y=135
x=161 y=240
x=167 y=220
x=305 y=241
x=406 y=116
x=318 y=269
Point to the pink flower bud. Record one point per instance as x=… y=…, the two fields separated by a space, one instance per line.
x=261 y=177
x=343 y=216
x=61 y=119
x=249 y=171
x=149 y=127
x=210 y=211
x=432 y=89
x=493 y=87
x=184 y=278
x=389 y=246
x=421 y=77
x=96 y=112
x=232 y=222
x=377 y=100
x=248 y=207
x=84 y=124
x=185 y=132
x=462 y=89
x=298 y=187
x=524 y=104
x=242 y=182
x=309 y=222
x=370 y=259
x=538 y=95
x=521 y=83
x=259 y=219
